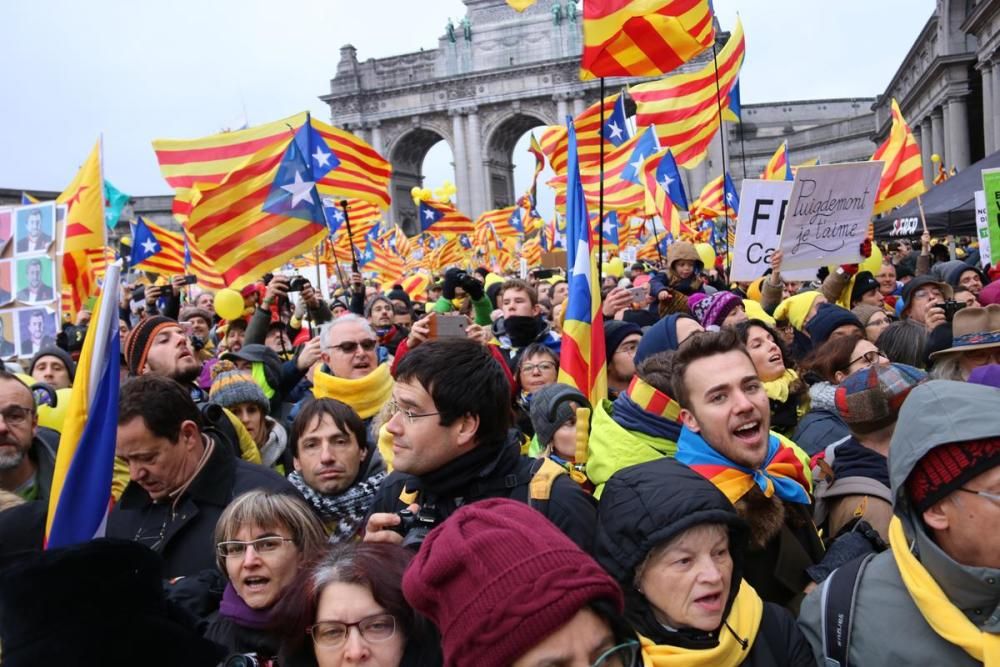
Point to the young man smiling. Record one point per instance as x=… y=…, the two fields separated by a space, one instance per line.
x=726 y=438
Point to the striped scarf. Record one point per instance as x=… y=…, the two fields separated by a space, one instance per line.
x=782 y=473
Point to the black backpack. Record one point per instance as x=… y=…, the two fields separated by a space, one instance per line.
x=837 y=610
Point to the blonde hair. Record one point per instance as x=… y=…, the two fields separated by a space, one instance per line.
x=270 y=509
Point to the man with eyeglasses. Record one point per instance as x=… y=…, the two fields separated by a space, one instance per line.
x=453 y=445
x=182 y=475
x=27 y=453
x=934 y=597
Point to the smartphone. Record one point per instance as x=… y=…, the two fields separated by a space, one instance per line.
x=448 y=326
x=639 y=294
x=543 y=274
x=190 y=280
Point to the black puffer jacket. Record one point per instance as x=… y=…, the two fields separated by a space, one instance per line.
x=646 y=505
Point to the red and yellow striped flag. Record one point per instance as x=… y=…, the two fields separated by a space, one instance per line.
x=364 y=217
x=531 y=250
x=645 y=38
x=170 y=259
x=555 y=144
x=711 y=202
x=620 y=193
x=387 y=264
x=85 y=232
x=450 y=253
x=499 y=218
x=657 y=201
x=903 y=172
x=778 y=167
x=362 y=174
x=683 y=107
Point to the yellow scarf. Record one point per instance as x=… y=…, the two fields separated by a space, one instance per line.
x=945 y=619
x=778 y=390
x=366 y=395
x=744 y=618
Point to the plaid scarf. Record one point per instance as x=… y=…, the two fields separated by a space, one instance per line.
x=344 y=513
x=782 y=473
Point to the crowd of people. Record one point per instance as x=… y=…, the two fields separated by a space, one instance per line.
x=781 y=473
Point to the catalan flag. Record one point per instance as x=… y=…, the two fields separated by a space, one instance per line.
x=450 y=253
x=615 y=126
x=582 y=362
x=712 y=202
x=683 y=107
x=443 y=218
x=531 y=250
x=161 y=250
x=902 y=174
x=364 y=217
x=778 y=168
x=536 y=151
x=81 y=481
x=622 y=174
x=362 y=173
x=588 y=133
x=387 y=264
x=648 y=38
x=657 y=199
x=85 y=231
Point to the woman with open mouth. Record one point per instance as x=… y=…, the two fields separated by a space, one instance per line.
x=676 y=545
x=786 y=393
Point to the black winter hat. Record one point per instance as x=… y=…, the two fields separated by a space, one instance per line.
x=399 y=294
x=60 y=354
x=828 y=317
x=615 y=331
x=97 y=603
x=550 y=409
x=864 y=282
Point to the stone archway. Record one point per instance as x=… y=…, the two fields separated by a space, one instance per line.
x=499 y=158
x=407 y=155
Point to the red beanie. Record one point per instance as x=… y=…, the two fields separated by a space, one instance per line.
x=497 y=578
x=945 y=469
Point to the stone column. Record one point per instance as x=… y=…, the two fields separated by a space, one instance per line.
x=376 y=137
x=578 y=105
x=937 y=134
x=561 y=110
x=926 y=148
x=460 y=155
x=947 y=156
x=994 y=112
x=989 y=141
x=477 y=172
x=958 y=133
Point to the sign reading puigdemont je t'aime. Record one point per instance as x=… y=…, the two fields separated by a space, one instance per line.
x=828 y=213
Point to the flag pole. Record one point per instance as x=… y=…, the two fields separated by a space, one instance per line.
x=656 y=240
x=722 y=142
x=923 y=219
x=336 y=262
x=350 y=236
x=600 y=198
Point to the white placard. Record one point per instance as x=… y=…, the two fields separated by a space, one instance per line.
x=828 y=213
x=982 y=228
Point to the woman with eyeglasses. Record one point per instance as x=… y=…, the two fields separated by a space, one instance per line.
x=508 y=589
x=824 y=369
x=785 y=392
x=537 y=367
x=348 y=608
x=262 y=540
x=874 y=319
x=676 y=546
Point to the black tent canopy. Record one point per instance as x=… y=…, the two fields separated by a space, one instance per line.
x=949 y=207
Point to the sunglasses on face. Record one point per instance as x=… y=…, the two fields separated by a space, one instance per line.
x=351 y=346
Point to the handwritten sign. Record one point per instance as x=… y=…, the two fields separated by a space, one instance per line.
x=828 y=214
x=982 y=228
x=991 y=188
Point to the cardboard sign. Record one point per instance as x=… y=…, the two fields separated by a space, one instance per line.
x=758 y=226
x=828 y=213
x=991 y=188
x=982 y=228
x=555 y=259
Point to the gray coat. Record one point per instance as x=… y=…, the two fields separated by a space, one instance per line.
x=888 y=628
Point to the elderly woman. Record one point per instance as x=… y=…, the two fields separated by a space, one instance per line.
x=874 y=319
x=975 y=343
x=676 y=546
x=348 y=608
x=262 y=540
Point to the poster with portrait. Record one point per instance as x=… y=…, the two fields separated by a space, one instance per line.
x=34 y=228
x=36 y=329
x=6 y=282
x=35 y=279
x=6 y=227
x=7 y=335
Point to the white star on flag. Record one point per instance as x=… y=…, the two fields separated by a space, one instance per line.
x=338 y=215
x=149 y=246
x=615 y=130
x=729 y=197
x=322 y=159
x=300 y=190
x=637 y=165
x=665 y=183
x=429 y=213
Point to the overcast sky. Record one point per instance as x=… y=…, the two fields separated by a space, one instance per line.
x=186 y=68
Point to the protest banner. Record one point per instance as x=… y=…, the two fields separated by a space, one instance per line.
x=982 y=229
x=828 y=213
x=991 y=189
x=758 y=229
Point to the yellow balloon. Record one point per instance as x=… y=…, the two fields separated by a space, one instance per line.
x=229 y=304
x=706 y=254
x=873 y=263
x=53 y=418
x=935 y=158
x=614 y=267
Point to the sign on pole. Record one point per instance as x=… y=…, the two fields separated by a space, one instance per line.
x=991 y=188
x=758 y=227
x=828 y=213
x=982 y=228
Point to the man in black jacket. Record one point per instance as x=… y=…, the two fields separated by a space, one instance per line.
x=450 y=423
x=27 y=452
x=183 y=475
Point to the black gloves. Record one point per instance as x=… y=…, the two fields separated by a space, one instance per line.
x=472 y=287
x=452 y=279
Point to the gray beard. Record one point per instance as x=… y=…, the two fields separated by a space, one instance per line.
x=11 y=461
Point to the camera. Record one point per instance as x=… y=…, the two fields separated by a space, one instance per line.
x=415 y=527
x=951 y=307
x=247 y=660
x=297 y=284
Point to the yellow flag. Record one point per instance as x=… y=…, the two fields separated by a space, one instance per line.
x=84 y=230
